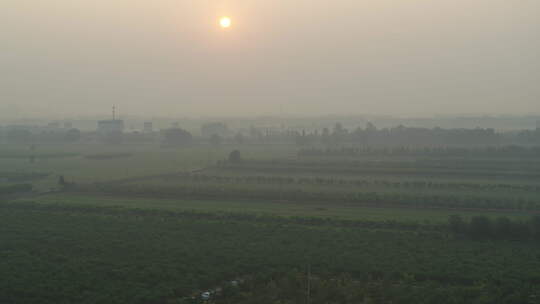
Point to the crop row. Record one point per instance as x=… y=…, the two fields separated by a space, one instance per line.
x=16 y=188
x=326 y=181
x=219 y=191
x=21 y=176
x=352 y=168
x=493 y=151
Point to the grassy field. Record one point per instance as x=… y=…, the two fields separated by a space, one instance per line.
x=455 y=182
x=275 y=208
x=145 y=160
x=152 y=225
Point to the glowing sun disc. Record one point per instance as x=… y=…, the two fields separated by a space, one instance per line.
x=225 y=22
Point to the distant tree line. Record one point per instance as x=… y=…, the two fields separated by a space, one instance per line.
x=295 y=194
x=357 y=183
x=495 y=151
x=26 y=136
x=372 y=136
x=219 y=133
x=406 y=136
x=176 y=137
x=14 y=189
x=501 y=228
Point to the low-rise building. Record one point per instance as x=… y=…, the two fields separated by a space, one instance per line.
x=148 y=127
x=110 y=126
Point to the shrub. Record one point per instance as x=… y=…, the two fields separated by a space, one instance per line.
x=235 y=157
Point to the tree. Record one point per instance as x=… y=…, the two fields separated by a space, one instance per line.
x=456 y=224
x=503 y=228
x=239 y=138
x=303 y=139
x=480 y=227
x=370 y=127
x=235 y=157
x=216 y=140
x=73 y=135
x=61 y=181
x=19 y=135
x=339 y=130
x=177 y=137
x=217 y=128
x=325 y=136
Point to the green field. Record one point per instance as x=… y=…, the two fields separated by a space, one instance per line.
x=144 y=160
x=68 y=254
x=342 y=211
x=146 y=224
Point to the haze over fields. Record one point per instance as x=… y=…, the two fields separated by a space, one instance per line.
x=303 y=57
x=269 y=151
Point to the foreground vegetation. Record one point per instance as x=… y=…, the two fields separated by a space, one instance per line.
x=116 y=255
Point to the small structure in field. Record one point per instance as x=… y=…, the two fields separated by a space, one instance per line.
x=148 y=127
x=205 y=296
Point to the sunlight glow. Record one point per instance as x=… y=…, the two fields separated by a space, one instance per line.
x=225 y=22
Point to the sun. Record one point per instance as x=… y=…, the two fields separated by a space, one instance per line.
x=225 y=22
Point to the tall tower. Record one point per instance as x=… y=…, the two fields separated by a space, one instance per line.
x=114 y=113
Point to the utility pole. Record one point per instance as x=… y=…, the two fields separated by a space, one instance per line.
x=280 y=189
x=32 y=153
x=308 y=295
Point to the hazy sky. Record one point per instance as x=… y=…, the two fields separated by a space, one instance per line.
x=169 y=57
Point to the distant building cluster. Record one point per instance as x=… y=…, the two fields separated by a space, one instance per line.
x=110 y=126
x=305 y=133
x=148 y=127
x=217 y=128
